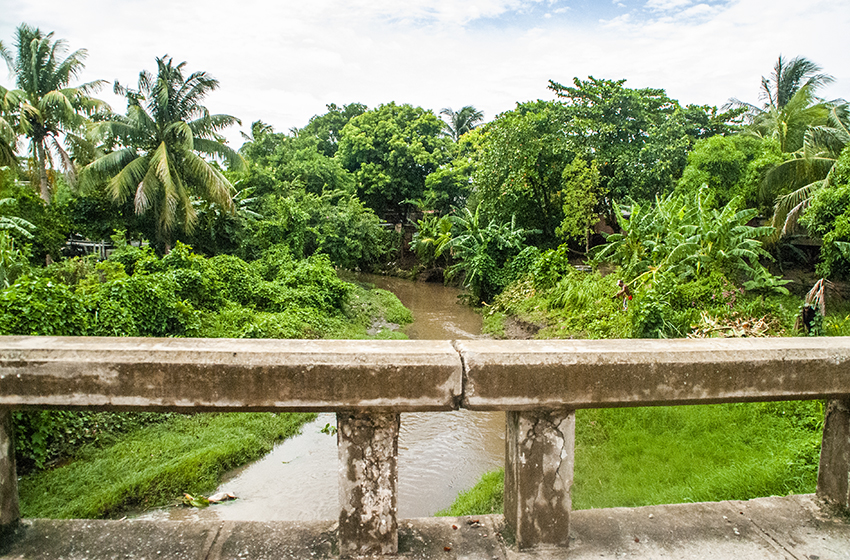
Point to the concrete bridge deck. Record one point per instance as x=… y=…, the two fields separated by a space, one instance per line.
x=792 y=527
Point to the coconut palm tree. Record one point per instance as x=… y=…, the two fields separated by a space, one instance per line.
x=462 y=121
x=164 y=135
x=810 y=168
x=790 y=105
x=8 y=138
x=44 y=106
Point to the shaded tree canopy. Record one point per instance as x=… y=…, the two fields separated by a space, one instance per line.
x=391 y=150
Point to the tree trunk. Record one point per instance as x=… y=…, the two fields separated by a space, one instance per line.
x=42 y=172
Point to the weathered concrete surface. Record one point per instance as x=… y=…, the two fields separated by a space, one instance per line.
x=8 y=474
x=539 y=463
x=766 y=528
x=47 y=539
x=834 y=471
x=790 y=527
x=229 y=374
x=368 y=483
x=541 y=374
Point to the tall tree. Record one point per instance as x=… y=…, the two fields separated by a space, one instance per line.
x=165 y=133
x=45 y=106
x=519 y=173
x=790 y=104
x=391 y=150
x=809 y=170
x=8 y=138
x=462 y=121
x=327 y=128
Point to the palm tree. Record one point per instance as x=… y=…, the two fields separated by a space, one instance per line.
x=810 y=169
x=462 y=121
x=8 y=138
x=790 y=104
x=165 y=133
x=44 y=106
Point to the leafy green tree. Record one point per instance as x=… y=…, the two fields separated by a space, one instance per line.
x=462 y=121
x=165 y=133
x=448 y=188
x=391 y=150
x=519 y=174
x=282 y=162
x=639 y=137
x=611 y=121
x=731 y=166
x=44 y=105
x=580 y=197
x=828 y=217
x=51 y=228
x=327 y=128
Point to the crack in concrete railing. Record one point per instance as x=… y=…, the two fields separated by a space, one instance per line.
x=464 y=377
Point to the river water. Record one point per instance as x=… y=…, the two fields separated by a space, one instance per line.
x=440 y=453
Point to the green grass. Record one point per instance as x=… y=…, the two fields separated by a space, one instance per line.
x=154 y=465
x=485 y=497
x=656 y=455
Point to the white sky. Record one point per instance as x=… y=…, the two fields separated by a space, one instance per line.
x=283 y=61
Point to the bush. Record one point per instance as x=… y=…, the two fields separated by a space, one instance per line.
x=41 y=307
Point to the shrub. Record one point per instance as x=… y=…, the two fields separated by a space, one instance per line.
x=41 y=307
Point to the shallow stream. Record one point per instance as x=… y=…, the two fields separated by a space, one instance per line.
x=440 y=453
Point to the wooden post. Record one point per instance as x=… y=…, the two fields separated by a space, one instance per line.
x=368 y=483
x=834 y=471
x=539 y=462
x=9 y=510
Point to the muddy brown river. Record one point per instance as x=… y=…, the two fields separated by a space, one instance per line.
x=440 y=453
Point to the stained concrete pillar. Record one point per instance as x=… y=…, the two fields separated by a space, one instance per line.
x=539 y=461
x=368 y=483
x=834 y=470
x=9 y=511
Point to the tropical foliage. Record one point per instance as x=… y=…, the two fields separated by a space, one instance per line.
x=164 y=134
x=45 y=107
x=688 y=238
x=461 y=122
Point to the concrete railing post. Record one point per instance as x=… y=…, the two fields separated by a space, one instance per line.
x=368 y=483
x=9 y=511
x=834 y=471
x=539 y=461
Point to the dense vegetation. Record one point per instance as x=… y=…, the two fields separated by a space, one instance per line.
x=687 y=215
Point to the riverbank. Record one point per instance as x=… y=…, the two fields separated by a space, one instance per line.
x=109 y=468
x=153 y=466
x=647 y=456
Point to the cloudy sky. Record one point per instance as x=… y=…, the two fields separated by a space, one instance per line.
x=283 y=61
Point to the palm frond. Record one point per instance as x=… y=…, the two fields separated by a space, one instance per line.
x=128 y=179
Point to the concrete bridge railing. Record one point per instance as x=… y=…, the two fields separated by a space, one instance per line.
x=369 y=383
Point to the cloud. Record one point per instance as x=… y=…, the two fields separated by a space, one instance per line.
x=666 y=5
x=282 y=62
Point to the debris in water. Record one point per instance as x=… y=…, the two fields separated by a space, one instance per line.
x=222 y=497
x=195 y=501
x=202 y=502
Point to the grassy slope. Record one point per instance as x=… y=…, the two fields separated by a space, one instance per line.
x=644 y=456
x=155 y=464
